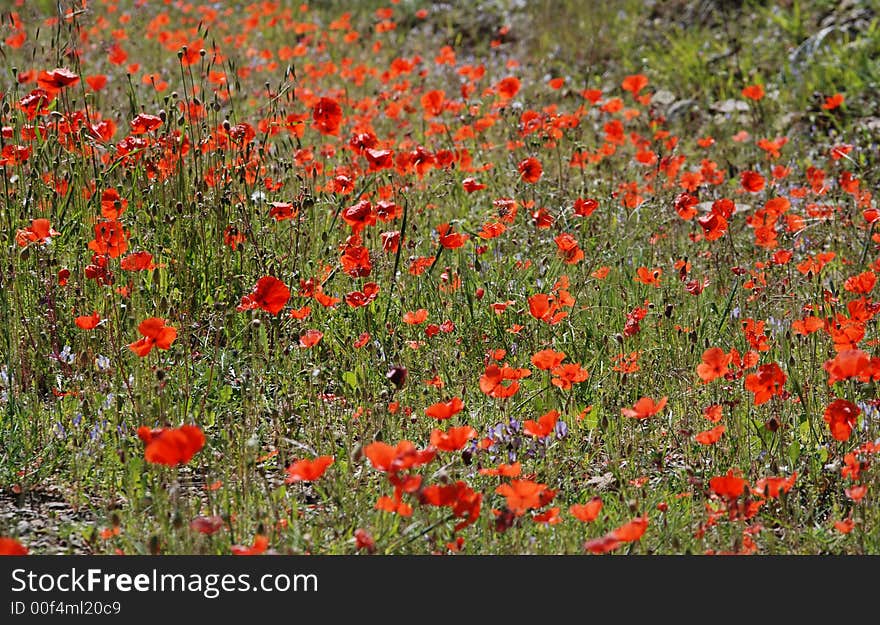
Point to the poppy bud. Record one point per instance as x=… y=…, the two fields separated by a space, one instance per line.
x=480 y=293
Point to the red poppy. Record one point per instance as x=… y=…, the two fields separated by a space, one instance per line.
x=138 y=261
x=11 y=547
x=634 y=83
x=432 y=103
x=110 y=239
x=522 y=495
x=710 y=437
x=327 y=115
x=453 y=439
x=833 y=101
x=261 y=543
x=308 y=470
x=508 y=87
x=850 y=363
x=569 y=249
x=751 y=181
x=401 y=457
x=155 y=334
x=587 y=512
x=772 y=486
x=547 y=359
x=566 y=375
x=88 y=322
x=730 y=486
x=769 y=381
x=40 y=231
x=530 y=170
x=207 y=525
x=651 y=277
x=753 y=92
x=415 y=317
x=171 y=446
x=544 y=426
x=56 y=80
x=449 y=239
x=841 y=416
x=504 y=470
x=269 y=294
x=714 y=364
x=445 y=410
x=143 y=123
x=501 y=382
x=310 y=338
x=644 y=408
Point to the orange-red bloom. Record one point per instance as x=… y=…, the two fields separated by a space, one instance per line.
x=155 y=334
x=269 y=294
x=171 y=446
x=644 y=408
x=308 y=470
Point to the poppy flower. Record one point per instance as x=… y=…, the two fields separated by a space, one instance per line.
x=714 y=365
x=364 y=541
x=504 y=470
x=751 y=181
x=544 y=426
x=111 y=238
x=88 y=322
x=207 y=525
x=651 y=277
x=569 y=249
x=415 y=317
x=327 y=115
x=471 y=185
x=644 y=408
x=547 y=359
x=445 y=410
x=392 y=459
x=841 y=416
x=138 y=261
x=269 y=294
x=310 y=338
x=629 y=532
x=432 y=103
x=772 y=487
x=634 y=83
x=40 y=231
x=359 y=215
x=112 y=204
x=522 y=495
x=587 y=512
x=57 y=79
x=769 y=381
x=143 y=123
x=308 y=470
x=753 y=92
x=832 y=102
x=453 y=439
x=710 y=437
x=501 y=382
x=730 y=486
x=261 y=543
x=171 y=446
x=530 y=170
x=508 y=87
x=11 y=547
x=713 y=413
x=449 y=239
x=850 y=363
x=155 y=334
x=566 y=375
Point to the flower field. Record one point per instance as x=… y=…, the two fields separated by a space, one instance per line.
x=413 y=278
